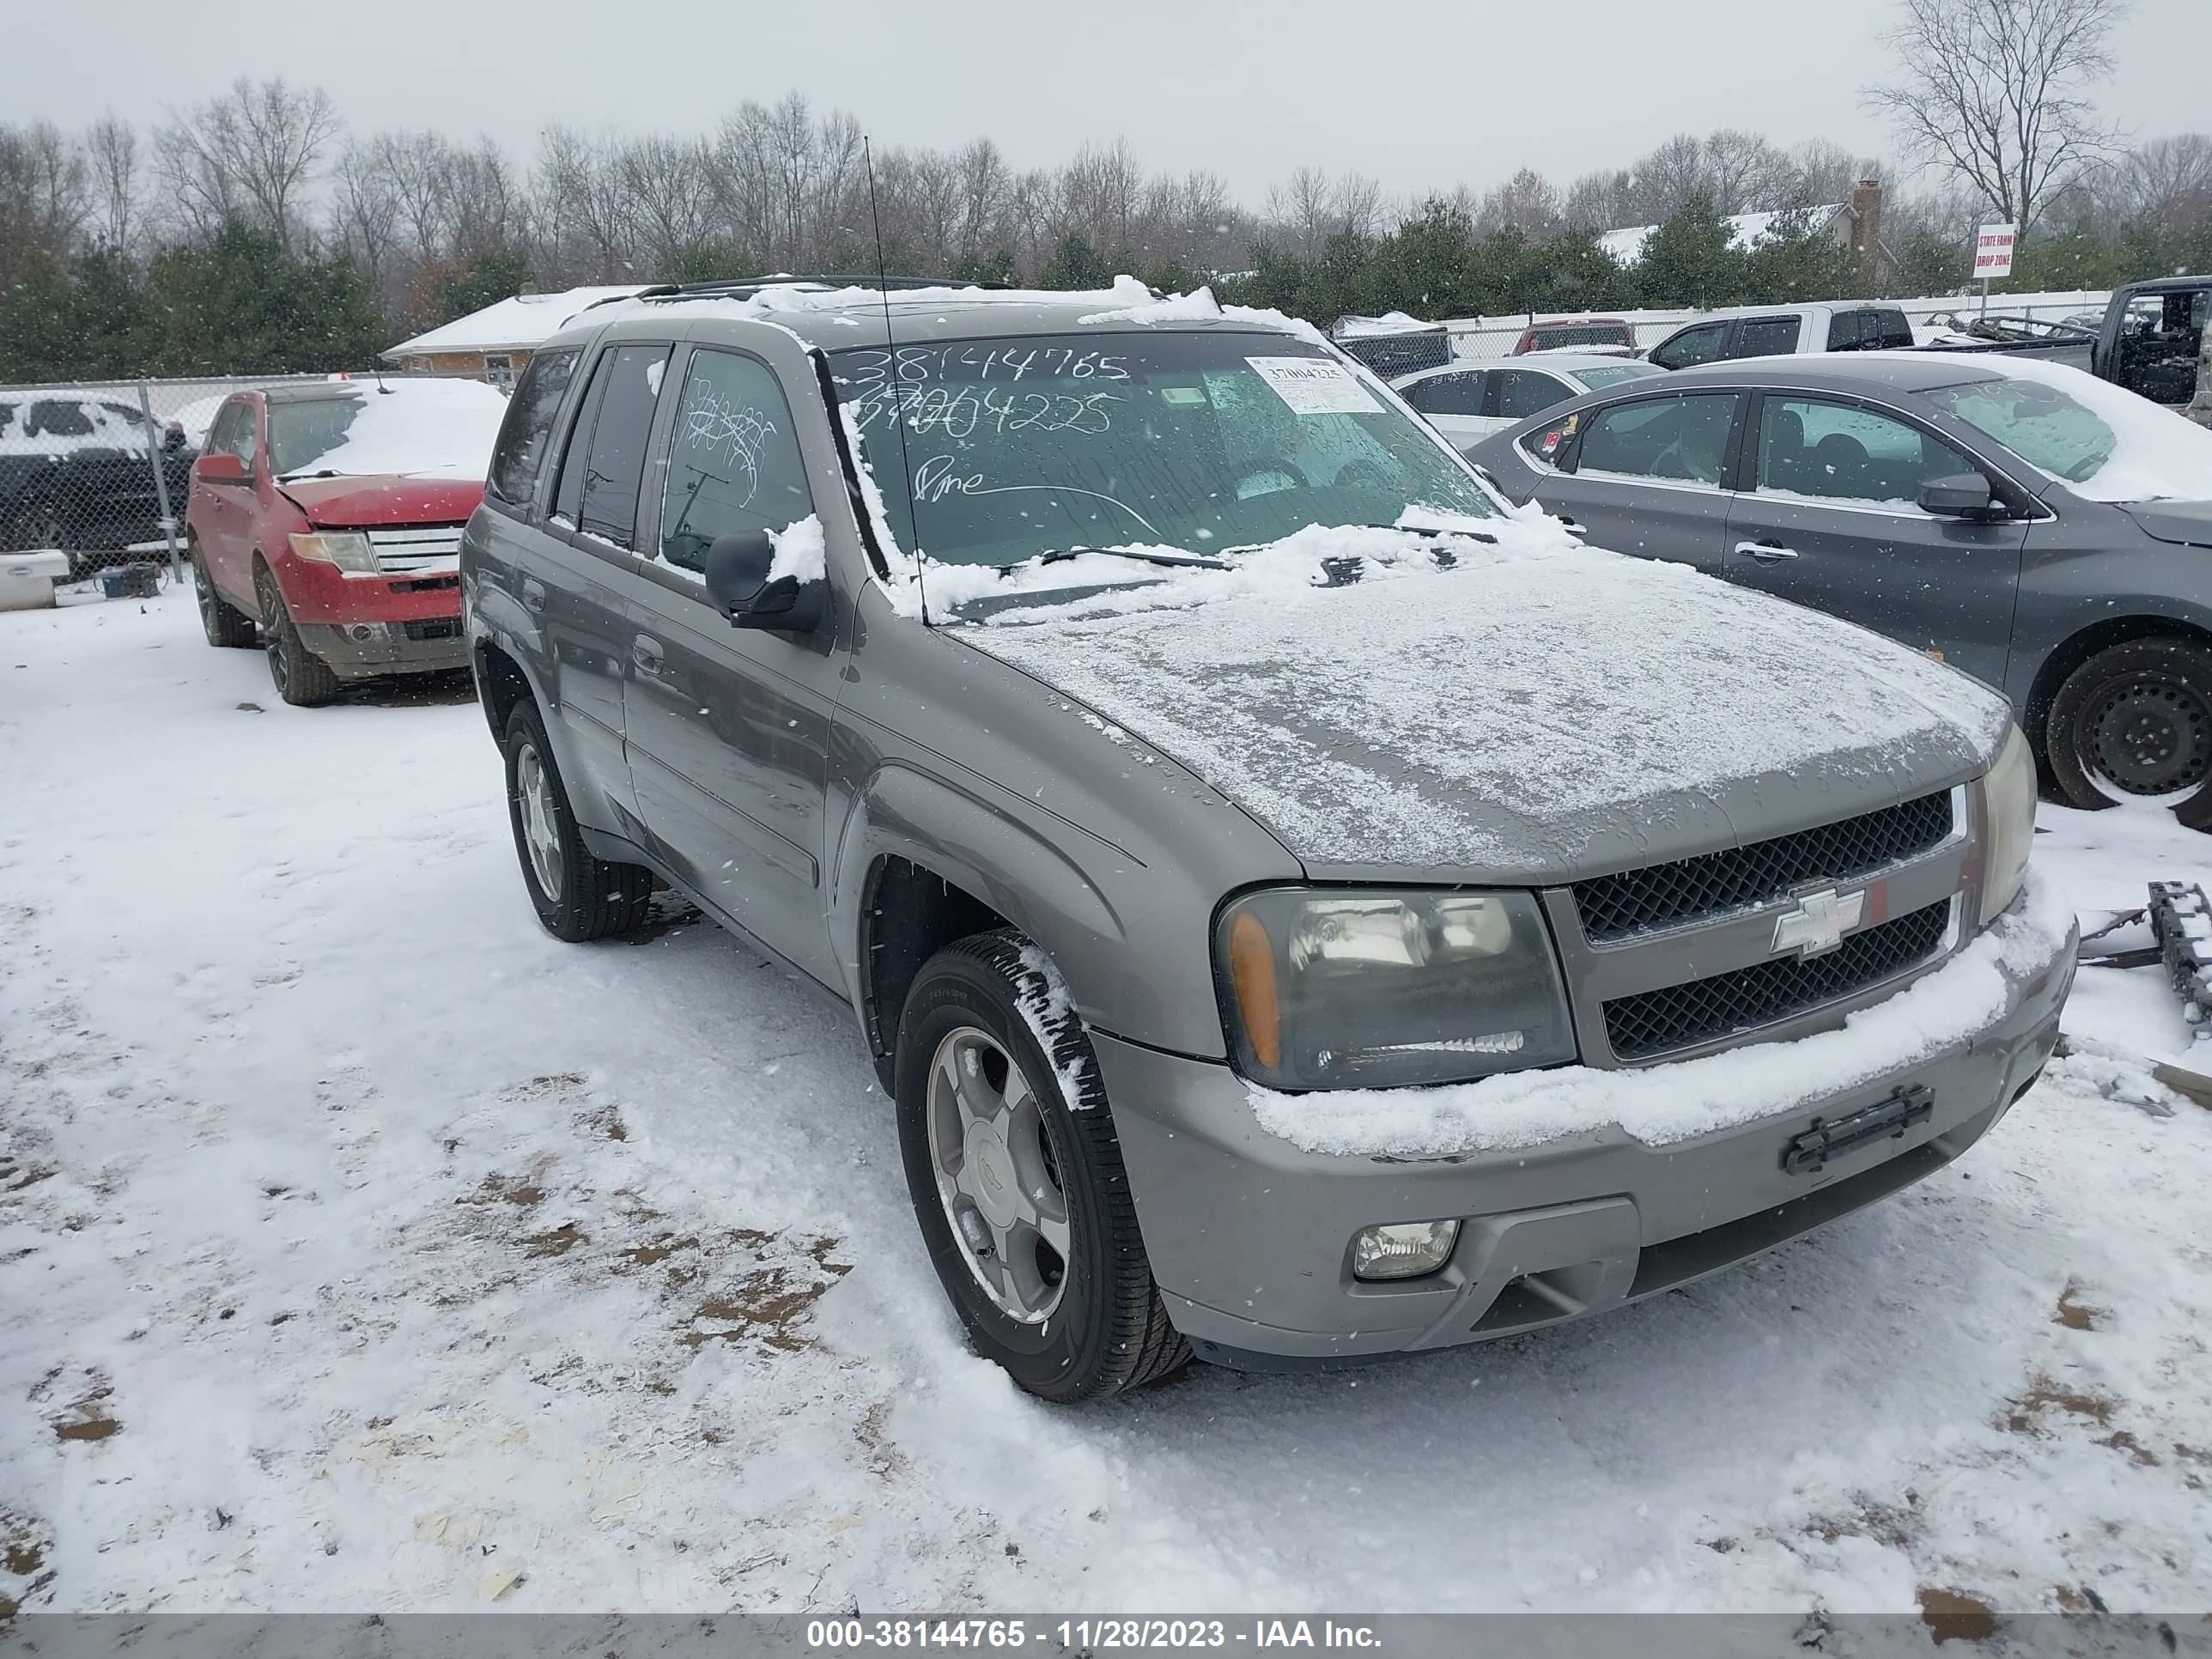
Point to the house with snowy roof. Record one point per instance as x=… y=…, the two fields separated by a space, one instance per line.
x=1854 y=225
x=493 y=344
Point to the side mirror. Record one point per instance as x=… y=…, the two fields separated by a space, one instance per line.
x=736 y=580
x=220 y=467
x=1963 y=495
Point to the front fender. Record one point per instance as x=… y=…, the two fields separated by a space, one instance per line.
x=991 y=854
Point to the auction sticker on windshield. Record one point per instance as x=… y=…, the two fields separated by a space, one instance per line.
x=1315 y=386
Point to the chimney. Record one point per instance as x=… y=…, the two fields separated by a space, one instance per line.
x=1866 y=230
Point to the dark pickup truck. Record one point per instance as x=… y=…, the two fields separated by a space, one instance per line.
x=2150 y=341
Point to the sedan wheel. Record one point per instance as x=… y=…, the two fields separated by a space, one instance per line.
x=2135 y=721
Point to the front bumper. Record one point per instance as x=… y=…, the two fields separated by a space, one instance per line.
x=1249 y=1236
x=358 y=651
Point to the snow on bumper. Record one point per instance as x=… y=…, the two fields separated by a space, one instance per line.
x=1660 y=1105
x=1577 y=1189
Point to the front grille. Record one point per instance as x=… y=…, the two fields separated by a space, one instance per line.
x=417 y=547
x=440 y=628
x=1682 y=1015
x=1636 y=901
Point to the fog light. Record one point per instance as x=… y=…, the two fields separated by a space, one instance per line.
x=1403 y=1250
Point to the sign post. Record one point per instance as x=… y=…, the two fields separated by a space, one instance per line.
x=1993 y=246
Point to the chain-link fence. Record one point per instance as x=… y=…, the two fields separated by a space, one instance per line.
x=100 y=472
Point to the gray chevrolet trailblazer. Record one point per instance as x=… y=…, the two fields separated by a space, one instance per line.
x=1302 y=908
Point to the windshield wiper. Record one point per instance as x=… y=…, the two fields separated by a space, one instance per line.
x=294 y=477
x=1061 y=554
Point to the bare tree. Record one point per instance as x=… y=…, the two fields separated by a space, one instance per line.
x=1526 y=202
x=112 y=161
x=1314 y=207
x=2168 y=180
x=43 y=196
x=1994 y=92
x=249 y=154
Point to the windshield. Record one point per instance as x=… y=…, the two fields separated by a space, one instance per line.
x=1201 y=442
x=443 y=429
x=2106 y=442
x=1613 y=373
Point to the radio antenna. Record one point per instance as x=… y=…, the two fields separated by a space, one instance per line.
x=897 y=378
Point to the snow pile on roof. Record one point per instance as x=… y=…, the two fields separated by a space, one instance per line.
x=1199 y=306
x=423 y=428
x=1394 y=322
x=522 y=323
x=1660 y=1105
x=1746 y=231
x=1499 y=714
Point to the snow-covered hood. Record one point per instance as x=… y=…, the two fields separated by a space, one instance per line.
x=1540 y=710
x=348 y=503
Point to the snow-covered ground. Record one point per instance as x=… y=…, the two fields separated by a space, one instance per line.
x=360 y=1248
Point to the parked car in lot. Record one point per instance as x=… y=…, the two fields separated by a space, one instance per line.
x=1299 y=910
x=2148 y=338
x=76 y=474
x=1782 y=330
x=1467 y=402
x=2047 y=532
x=1610 y=335
x=325 y=521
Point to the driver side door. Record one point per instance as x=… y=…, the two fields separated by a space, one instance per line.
x=1828 y=518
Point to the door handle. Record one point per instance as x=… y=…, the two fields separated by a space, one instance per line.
x=533 y=595
x=1766 y=552
x=1567 y=520
x=646 y=653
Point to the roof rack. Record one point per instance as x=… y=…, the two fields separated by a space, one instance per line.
x=744 y=288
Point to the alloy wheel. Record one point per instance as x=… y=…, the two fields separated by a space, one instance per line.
x=996 y=1174
x=541 y=835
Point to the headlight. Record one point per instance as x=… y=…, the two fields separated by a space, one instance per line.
x=2009 y=812
x=349 y=549
x=1353 y=989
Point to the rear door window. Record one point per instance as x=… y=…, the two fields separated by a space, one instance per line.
x=1766 y=337
x=605 y=462
x=1888 y=330
x=1522 y=393
x=1846 y=330
x=528 y=428
x=1448 y=394
x=1682 y=440
x=733 y=460
x=1701 y=344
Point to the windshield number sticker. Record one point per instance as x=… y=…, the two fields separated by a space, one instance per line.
x=1315 y=386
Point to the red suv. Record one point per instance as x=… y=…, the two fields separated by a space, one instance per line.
x=327 y=519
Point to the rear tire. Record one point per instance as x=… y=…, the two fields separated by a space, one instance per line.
x=1076 y=1319
x=303 y=678
x=578 y=897
x=2135 y=719
x=223 y=622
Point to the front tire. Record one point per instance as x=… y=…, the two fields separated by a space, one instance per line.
x=303 y=678
x=1019 y=1190
x=578 y=897
x=223 y=622
x=2135 y=719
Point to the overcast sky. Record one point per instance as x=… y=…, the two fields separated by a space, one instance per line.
x=1420 y=96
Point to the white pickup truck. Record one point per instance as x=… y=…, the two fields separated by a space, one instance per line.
x=1782 y=331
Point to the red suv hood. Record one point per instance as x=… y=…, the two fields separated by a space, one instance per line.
x=386 y=500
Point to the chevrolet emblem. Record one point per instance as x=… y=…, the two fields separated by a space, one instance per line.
x=1819 y=923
